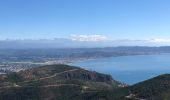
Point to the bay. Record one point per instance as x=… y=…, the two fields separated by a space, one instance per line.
x=130 y=69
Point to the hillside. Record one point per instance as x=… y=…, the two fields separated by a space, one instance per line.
x=53 y=82
x=157 y=88
x=62 y=82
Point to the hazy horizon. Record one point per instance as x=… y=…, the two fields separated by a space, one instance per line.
x=90 y=41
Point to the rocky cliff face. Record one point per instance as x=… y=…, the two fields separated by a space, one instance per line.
x=87 y=75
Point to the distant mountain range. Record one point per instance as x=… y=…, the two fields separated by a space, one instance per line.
x=76 y=43
x=62 y=82
x=54 y=43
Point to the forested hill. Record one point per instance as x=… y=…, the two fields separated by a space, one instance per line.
x=157 y=88
x=53 y=82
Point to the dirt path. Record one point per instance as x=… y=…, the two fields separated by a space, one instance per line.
x=49 y=76
x=45 y=86
x=56 y=74
x=58 y=85
x=18 y=86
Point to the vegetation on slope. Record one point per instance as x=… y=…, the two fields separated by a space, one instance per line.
x=62 y=82
x=53 y=82
x=157 y=88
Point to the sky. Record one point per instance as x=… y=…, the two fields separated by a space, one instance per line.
x=85 y=20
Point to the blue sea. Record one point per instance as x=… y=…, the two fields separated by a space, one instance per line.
x=130 y=69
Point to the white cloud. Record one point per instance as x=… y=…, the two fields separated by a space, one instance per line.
x=160 y=40
x=89 y=38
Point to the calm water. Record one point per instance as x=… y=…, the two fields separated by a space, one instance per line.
x=130 y=69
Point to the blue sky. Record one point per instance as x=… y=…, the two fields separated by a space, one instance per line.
x=117 y=19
